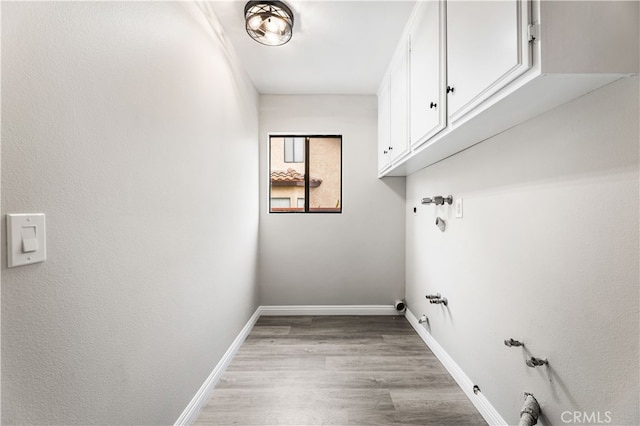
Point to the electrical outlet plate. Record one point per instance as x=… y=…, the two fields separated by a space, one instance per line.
x=459 y=208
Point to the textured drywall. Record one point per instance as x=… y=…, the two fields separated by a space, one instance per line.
x=356 y=257
x=547 y=253
x=129 y=126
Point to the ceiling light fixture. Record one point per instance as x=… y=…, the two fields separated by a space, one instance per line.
x=268 y=22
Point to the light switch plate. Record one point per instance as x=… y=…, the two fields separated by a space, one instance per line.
x=458 y=207
x=26 y=239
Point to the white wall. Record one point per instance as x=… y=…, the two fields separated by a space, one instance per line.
x=547 y=252
x=356 y=257
x=128 y=125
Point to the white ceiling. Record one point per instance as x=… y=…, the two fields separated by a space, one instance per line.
x=338 y=47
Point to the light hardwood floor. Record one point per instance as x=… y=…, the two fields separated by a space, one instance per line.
x=336 y=370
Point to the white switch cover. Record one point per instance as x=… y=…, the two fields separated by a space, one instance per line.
x=458 y=207
x=26 y=239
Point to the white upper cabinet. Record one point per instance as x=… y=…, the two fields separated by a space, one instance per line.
x=427 y=72
x=487 y=47
x=384 y=127
x=477 y=68
x=399 y=96
x=393 y=111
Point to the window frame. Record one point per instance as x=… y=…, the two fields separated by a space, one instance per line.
x=307 y=137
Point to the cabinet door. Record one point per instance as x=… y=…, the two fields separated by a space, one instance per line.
x=384 y=126
x=399 y=100
x=487 y=47
x=427 y=67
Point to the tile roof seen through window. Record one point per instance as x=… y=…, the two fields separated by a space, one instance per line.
x=292 y=178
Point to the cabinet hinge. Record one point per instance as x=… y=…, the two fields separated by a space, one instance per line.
x=532 y=31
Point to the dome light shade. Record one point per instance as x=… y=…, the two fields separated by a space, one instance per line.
x=268 y=22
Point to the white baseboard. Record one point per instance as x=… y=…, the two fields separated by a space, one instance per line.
x=482 y=404
x=190 y=413
x=329 y=310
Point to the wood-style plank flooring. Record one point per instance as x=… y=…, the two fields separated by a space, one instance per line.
x=336 y=370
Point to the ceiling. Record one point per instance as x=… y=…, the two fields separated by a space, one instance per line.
x=338 y=47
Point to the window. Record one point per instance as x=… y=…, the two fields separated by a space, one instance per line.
x=305 y=172
x=280 y=203
x=293 y=150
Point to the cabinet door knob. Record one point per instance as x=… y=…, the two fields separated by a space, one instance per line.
x=385 y=152
x=390 y=148
x=433 y=105
x=451 y=89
